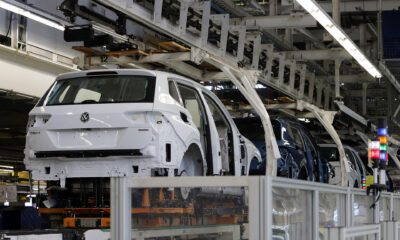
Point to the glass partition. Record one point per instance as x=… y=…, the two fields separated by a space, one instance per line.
x=384 y=209
x=332 y=209
x=204 y=213
x=292 y=214
x=362 y=213
x=396 y=209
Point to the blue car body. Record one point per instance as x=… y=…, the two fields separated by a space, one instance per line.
x=300 y=156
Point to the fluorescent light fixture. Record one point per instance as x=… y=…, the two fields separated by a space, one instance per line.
x=25 y=13
x=8 y=167
x=341 y=37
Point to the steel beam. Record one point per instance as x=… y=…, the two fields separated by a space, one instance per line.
x=354 y=6
x=318 y=54
x=376 y=92
x=279 y=21
x=355 y=78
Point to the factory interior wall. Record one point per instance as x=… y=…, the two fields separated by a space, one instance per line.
x=24 y=74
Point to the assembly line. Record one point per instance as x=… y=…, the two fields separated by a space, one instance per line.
x=191 y=119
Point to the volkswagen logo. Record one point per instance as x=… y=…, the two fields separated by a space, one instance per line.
x=85 y=117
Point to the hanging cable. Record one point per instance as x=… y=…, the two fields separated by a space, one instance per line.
x=9 y=25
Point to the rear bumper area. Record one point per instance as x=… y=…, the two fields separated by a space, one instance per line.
x=88 y=153
x=51 y=169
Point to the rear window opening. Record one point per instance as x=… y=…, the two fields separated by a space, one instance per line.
x=331 y=154
x=102 y=89
x=253 y=129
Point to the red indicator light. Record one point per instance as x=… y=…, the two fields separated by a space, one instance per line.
x=375 y=154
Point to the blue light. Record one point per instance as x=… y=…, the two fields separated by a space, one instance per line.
x=382 y=131
x=383 y=156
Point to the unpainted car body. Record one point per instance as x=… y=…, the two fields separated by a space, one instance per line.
x=357 y=168
x=300 y=157
x=104 y=123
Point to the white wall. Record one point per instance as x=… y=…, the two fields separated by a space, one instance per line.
x=4 y=21
x=25 y=75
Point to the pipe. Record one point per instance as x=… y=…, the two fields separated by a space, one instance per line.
x=336 y=11
x=380 y=33
x=364 y=98
x=338 y=62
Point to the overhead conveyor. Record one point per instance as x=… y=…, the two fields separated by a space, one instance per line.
x=235 y=50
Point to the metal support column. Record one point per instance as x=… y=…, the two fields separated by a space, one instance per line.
x=336 y=11
x=363 y=37
x=338 y=62
x=120 y=203
x=380 y=32
x=364 y=98
x=315 y=231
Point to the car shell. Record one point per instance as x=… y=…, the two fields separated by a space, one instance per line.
x=293 y=160
x=357 y=168
x=146 y=127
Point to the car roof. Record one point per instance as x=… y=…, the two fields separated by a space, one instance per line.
x=127 y=72
x=334 y=145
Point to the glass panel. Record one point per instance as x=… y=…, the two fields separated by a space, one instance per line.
x=362 y=213
x=104 y=89
x=396 y=209
x=332 y=209
x=292 y=214
x=384 y=209
x=195 y=213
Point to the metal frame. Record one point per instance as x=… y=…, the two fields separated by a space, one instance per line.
x=260 y=202
x=390 y=230
x=361 y=231
x=121 y=199
x=326 y=119
x=224 y=232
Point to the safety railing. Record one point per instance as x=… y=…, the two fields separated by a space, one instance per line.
x=255 y=207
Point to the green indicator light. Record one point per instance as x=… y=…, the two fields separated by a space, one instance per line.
x=384 y=148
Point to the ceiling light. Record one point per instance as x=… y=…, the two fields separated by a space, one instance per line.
x=25 y=13
x=341 y=37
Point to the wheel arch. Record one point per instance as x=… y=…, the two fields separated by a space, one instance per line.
x=194 y=149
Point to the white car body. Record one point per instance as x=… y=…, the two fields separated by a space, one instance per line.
x=76 y=139
x=357 y=168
